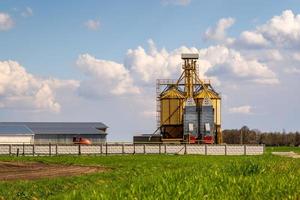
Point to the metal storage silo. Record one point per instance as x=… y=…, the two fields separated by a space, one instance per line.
x=215 y=99
x=190 y=118
x=206 y=121
x=180 y=102
x=171 y=102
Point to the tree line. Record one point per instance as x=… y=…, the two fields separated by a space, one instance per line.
x=254 y=136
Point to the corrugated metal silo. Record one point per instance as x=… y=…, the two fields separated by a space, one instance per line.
x=190 y=118
x=206 y=118
x=172 y=112
x=215 y=100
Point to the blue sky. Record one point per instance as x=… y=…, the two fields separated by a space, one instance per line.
x=65 y=59
x=56 y=34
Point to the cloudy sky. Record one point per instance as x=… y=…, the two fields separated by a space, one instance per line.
x=98 y=60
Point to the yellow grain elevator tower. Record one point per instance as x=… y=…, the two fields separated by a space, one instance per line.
x=188 y=109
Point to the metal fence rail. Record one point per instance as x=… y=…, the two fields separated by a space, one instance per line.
x=107 y=148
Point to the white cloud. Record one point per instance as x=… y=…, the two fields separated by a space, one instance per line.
x=105 y=77
x=22 y=90
x=140 y=70
x=296 y=56
x=278 y=39
x=28 y=12
x=218 y=32
x=272 y=55
x=263 y=55
x=176 y=2
x=252 y=39
x=283 y=29
x=6 y=22
x=246 y=109
x=279 y=31
x=216 y=62
x=147 y=66
x=229 y=65
x=44 y=98
x=92 y=24
x=292 y=70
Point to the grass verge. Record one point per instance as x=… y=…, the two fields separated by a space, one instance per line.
x=166 y=177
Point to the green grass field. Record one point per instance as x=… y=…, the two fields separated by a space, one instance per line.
x=166 y=177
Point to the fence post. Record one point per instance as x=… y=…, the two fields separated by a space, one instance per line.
x=79 y=149
x=50 y=149
x=33 y=150
x=133 y=148
x=23 y=149
x=123 y=149
x=225 y=149
x=159 y=146
x=9 y=149
x=245 y=150
x=165 y=148
x=205 y=149
x=18 y=152
x=144 y=149
x=185 y=151
x=56 y=149
x=101 y=148
x=106 y=149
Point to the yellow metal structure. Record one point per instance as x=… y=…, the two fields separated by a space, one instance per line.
x=171 y=101
x=216 y=103
x=189 y=74
x=172 y=106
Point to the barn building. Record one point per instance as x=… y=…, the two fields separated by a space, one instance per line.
x=51 y=132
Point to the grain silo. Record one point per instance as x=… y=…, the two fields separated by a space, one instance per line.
x=188 y=109
x=171 y=114
x=215 y=100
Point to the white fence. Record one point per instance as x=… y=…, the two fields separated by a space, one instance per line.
x=105 y=149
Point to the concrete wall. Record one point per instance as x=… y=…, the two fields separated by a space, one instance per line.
x=60 y=149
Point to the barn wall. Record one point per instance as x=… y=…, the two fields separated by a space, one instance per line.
x=67 y=138
x=16 y=139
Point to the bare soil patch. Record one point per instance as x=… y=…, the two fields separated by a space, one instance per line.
x=290 y=154
x=35 y=170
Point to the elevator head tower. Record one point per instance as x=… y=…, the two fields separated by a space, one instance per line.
x=188 y=109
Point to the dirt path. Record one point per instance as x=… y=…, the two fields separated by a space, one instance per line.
x=290 y=154
x=34 y=170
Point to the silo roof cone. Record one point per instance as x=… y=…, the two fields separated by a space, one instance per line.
x=190 y=102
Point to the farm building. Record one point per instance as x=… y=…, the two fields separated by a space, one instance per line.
x=51 y=132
